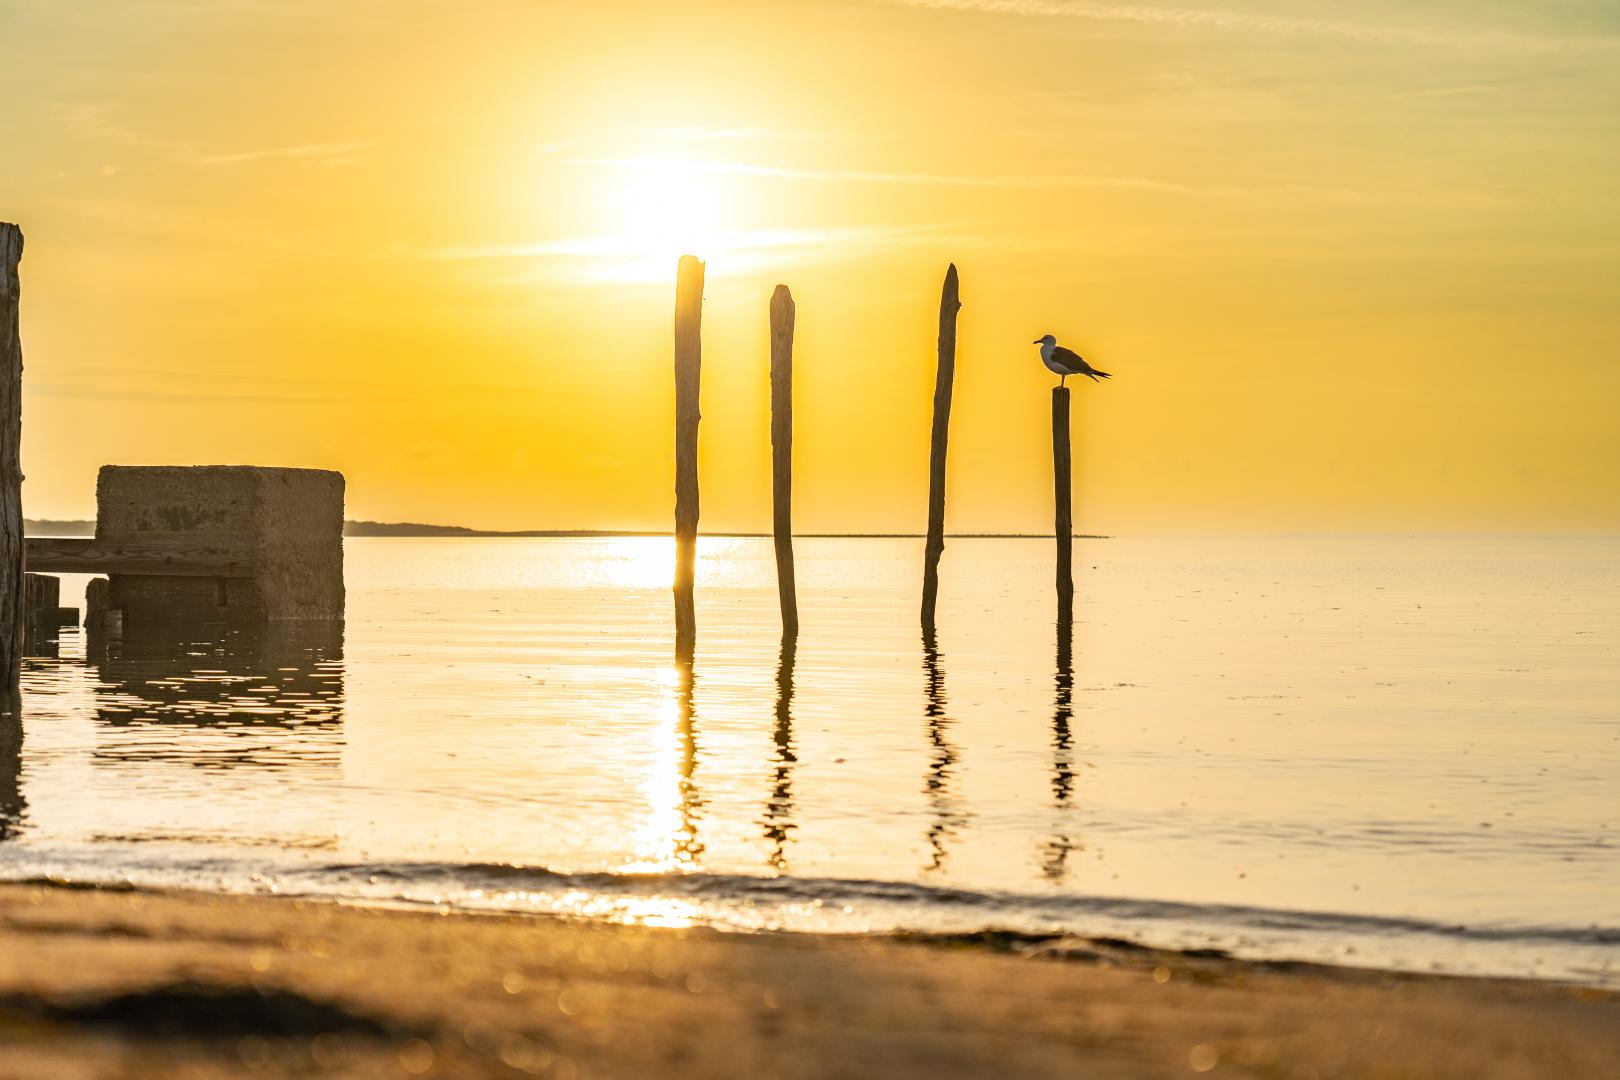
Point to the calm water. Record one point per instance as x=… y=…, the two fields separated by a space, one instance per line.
x=1386 y=751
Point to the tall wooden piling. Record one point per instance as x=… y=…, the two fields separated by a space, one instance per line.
x=949 y=304
x=11 y=518
x=1061 y=486
x=688 y=365
x=782 y=312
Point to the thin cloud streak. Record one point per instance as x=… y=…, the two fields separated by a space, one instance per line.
x=614 y=246
x=1282 y=25
x=1052 y=182
x=320 y=151
x=752 y=134
x=1056 y=181
x=629 y=259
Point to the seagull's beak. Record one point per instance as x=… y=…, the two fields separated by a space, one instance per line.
x=1037 y=341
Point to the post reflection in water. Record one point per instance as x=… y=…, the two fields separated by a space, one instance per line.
x=778 y=818
x=1055 y=852
x=266 y=699
x=12 y=804
x=688 y=848
x=944 y=803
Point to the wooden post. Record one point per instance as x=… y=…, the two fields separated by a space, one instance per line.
x=11 y=518
x=42 y=595
x=96 y=601
x=1061 y=491
x=782 y=312
x=949 y=305
x=688 y=364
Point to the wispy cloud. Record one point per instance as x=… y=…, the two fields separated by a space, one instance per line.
x=324 y=152
x=752 y=134
x=1056 y=181
x=630 y=258
x=101 y=122
x=1267 y=23
x=104 y=123
x=72 y=380
x=615 y=246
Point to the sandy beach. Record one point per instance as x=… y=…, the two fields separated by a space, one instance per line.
x=111 y=983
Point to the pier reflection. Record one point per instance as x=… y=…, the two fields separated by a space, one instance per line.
x=265 y=698
x=946 y=807
x=1055 y=852
x=778 y=818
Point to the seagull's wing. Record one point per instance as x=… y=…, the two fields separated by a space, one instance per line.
x=1069 y=359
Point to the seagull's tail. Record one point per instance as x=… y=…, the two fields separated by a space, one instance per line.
x=1095 y=375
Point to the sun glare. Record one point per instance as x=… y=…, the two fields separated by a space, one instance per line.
x=659 y=209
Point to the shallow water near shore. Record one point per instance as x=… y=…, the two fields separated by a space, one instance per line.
x=1382 y=751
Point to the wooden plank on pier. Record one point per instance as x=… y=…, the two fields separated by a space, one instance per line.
x=174 y=558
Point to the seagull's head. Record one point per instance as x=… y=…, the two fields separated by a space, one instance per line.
x=1047 y=340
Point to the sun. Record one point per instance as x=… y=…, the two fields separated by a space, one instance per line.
x=658 y=209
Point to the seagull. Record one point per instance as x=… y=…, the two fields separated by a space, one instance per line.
x=1065 y=362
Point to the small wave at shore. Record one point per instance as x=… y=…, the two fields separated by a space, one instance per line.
x=750 y=903
x=504 y=877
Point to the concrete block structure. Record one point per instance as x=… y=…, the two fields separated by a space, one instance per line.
x=285 y=524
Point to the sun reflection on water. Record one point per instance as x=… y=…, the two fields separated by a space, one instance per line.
x=644 y=910
x=669 y=840
x=648 y=562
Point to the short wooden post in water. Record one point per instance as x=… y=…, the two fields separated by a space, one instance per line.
x=11 y=518
x=42 y=597
x=782 y=312
x=949 y=305
x=688 y=365
x=1061 y=492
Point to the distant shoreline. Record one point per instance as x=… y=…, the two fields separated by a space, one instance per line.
x=66 y=527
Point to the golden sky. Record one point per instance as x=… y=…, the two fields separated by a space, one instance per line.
x=1355 y=267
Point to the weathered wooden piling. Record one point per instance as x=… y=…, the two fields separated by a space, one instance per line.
x=97 y=603
x=1061 y=486
x=42 y=604
x=782 y=314
x=43 y=614
x=949 y=305
x=42 y=595
x=11 y=517
x=688 y=366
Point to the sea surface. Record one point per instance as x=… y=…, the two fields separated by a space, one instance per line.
x=1388 y=751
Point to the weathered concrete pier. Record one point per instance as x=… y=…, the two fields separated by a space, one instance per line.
x=205 y=544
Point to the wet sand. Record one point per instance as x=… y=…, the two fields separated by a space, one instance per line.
x=144 y=984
